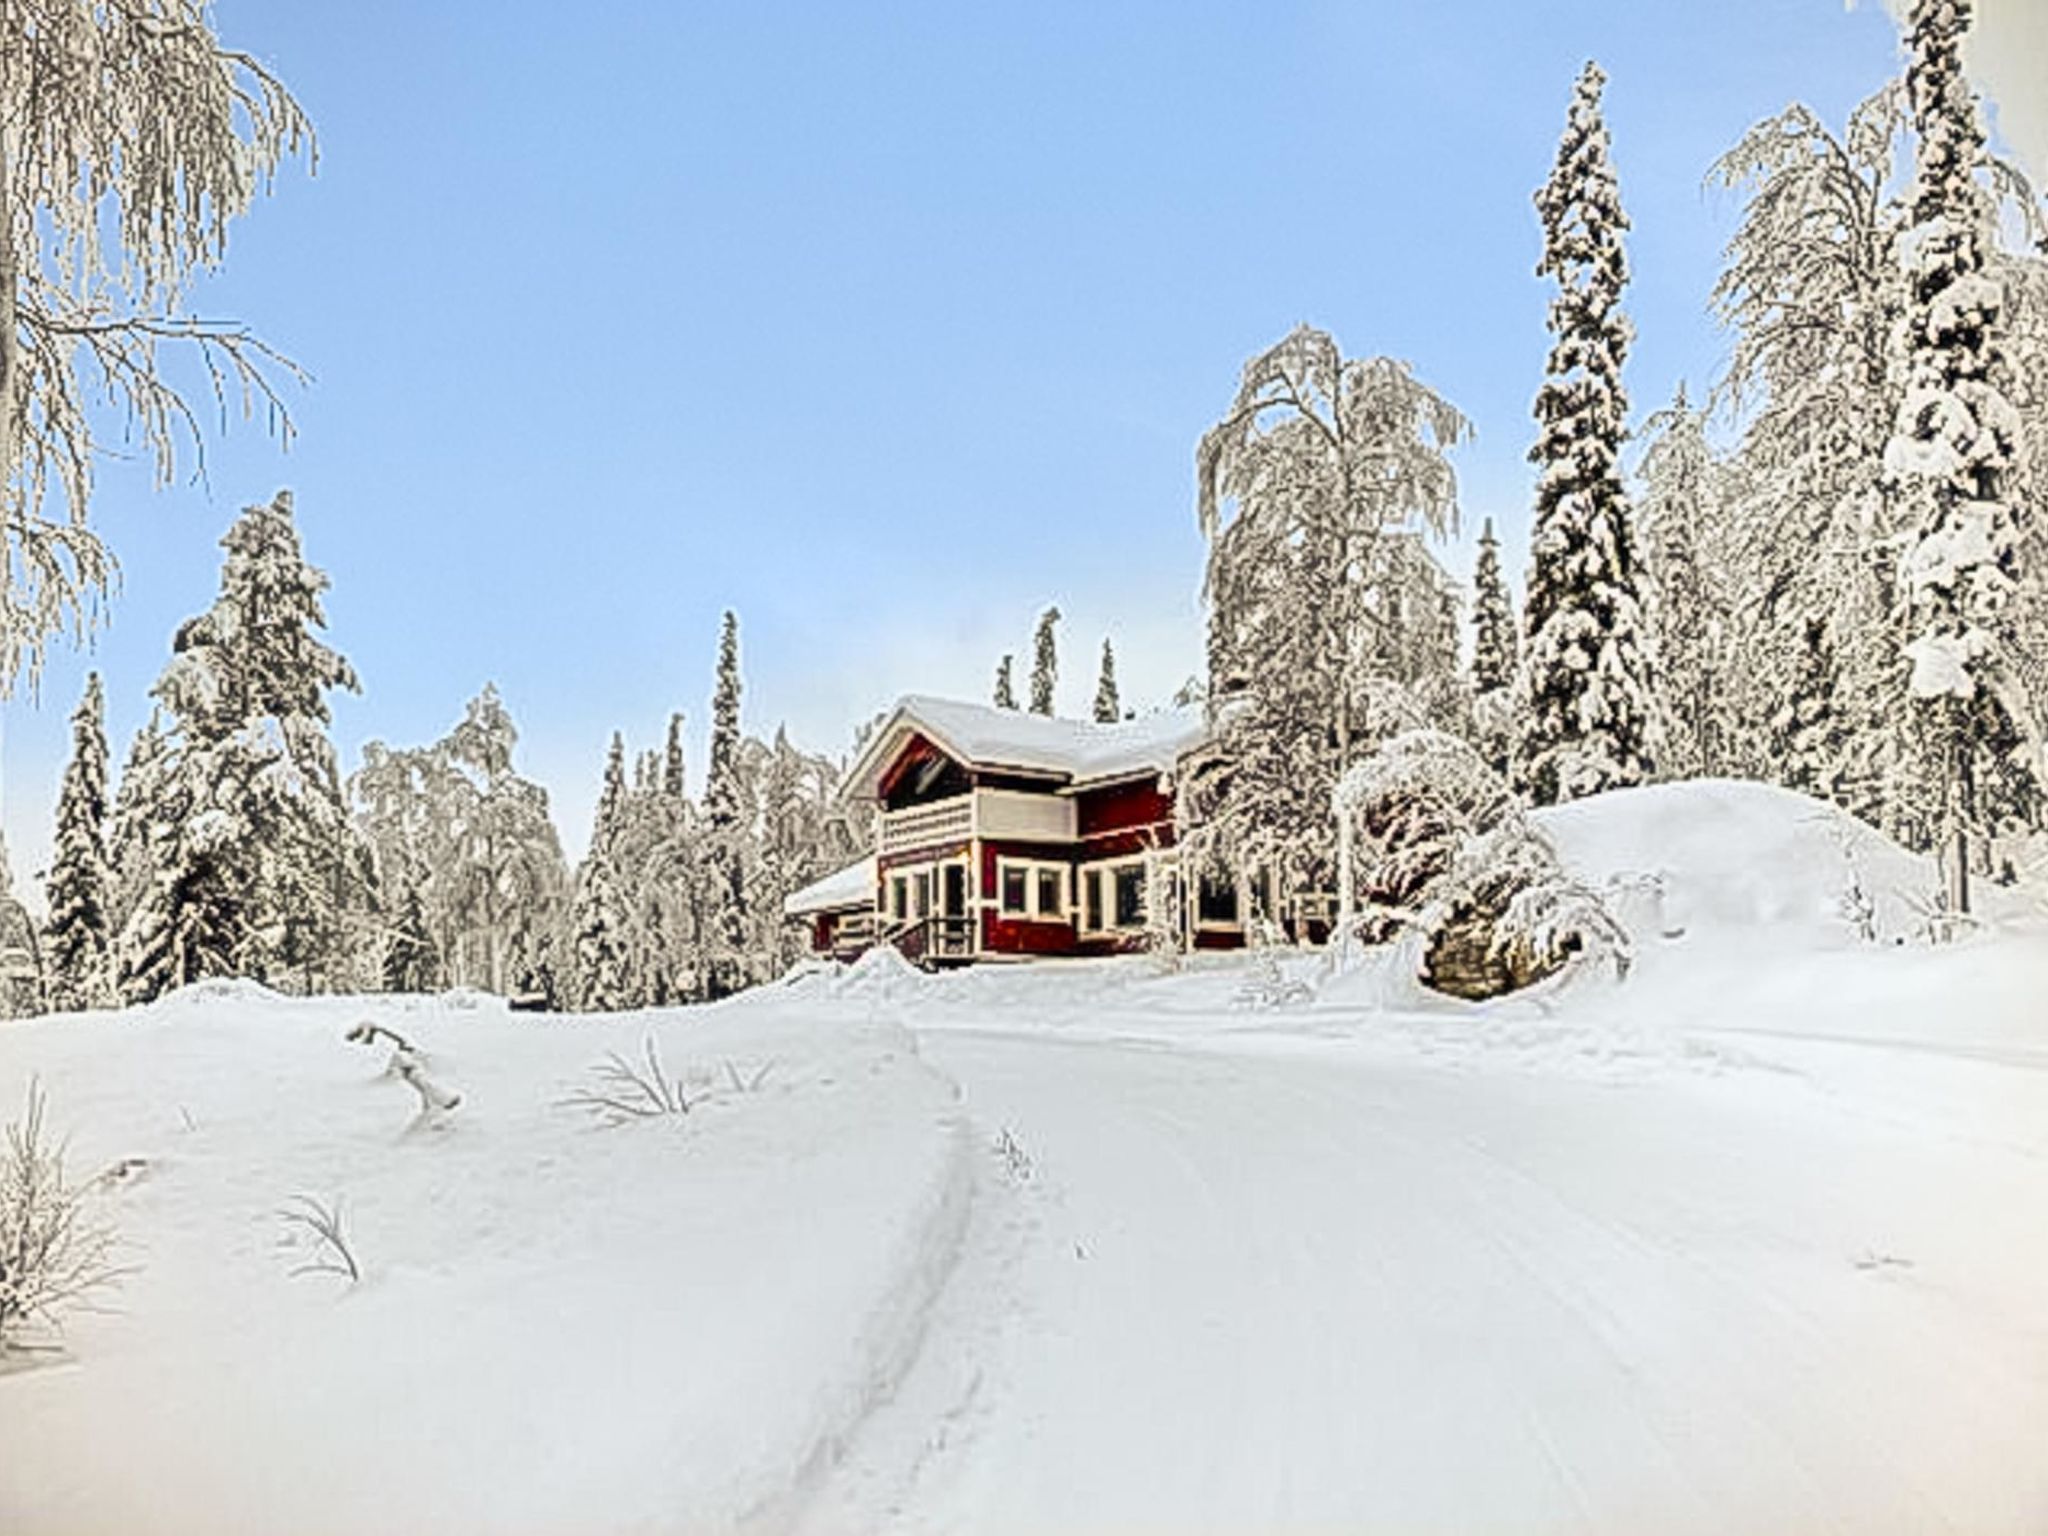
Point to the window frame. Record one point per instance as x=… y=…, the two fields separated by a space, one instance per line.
x=1033 y=872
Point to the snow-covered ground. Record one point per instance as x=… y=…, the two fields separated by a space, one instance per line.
x=1750 y=1241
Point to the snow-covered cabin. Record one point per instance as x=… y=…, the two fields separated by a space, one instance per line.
x=1006 y=833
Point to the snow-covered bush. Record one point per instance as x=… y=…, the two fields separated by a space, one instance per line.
x=54 y=1251
x=1455 y=857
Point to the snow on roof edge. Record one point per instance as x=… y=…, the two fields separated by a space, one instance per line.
x=853 y=886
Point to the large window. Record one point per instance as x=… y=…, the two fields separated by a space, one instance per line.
x=1130 y=896
x=1032 y=889
x=1216 y=901
x=1116 y=893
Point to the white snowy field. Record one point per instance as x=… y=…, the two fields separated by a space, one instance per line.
x=1750 y=1241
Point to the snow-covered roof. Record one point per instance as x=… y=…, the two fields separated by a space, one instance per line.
x=853 y=886
x=1073 y=753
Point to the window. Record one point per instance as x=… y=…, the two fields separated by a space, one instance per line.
x=1216 y=901
x=1032 y=889
x=1052 y=892
x=899 y=898
x=1130 y=895
x=1091 y=900
x=921 y=893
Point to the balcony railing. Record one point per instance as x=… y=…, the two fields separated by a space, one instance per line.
x=924 y=826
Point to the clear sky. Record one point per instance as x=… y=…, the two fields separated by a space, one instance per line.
x=884 y=325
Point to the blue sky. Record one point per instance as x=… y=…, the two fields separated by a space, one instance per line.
x=885 y=325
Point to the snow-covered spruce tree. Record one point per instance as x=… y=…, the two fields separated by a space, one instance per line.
x=257 y=864
x=410 y=963
x=1006 y=691
x=672 y=758
x=600 y=917
x=1955 y=440
x=1494 y=649
x=78 y=940
x=1108 y=707
x=1314 y=492
x=21 y=958
x=1496 y=655
x=1683 y=522
x=1585 y=714
x=1807 y=732
x=1045 y=662
x=729 y=830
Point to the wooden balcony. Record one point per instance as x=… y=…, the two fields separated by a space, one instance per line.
x=928 y=826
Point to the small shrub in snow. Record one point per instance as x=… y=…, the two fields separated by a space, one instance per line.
x=317 y=1230
x=620 y=1090
x=54 y=1252
x=1017 y=1165
x=1266 y=986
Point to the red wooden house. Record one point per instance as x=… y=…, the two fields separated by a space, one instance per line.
x=1001 y=833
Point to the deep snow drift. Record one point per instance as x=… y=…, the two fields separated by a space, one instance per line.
x=1750 y=1241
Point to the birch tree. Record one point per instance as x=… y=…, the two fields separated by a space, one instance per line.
x=130 y=139
x=1313 y=492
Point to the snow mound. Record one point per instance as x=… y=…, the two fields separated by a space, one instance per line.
x=671 y=1323
x=236 y=990
x=881 y=975
x=1718 y=856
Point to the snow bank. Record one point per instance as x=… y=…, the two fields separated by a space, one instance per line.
x=1729 y=855
x=671 y=1323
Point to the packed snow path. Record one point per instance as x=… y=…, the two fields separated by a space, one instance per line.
x=1277 y=1285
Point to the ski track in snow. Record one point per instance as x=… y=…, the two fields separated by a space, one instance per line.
x=1291 y=1292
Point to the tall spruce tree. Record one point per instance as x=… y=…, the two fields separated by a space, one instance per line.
x=1954 y=442
x=22 y=988
x=1494 y=647
x=1045 y=662
x=257 y=862
x=78 y=940
x=1108 y=707
x=1586 y=713
x=1006 y=691
x=601 y=915
x=672 y=758
x=729 y=836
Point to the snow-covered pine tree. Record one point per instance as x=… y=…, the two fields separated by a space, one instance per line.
x=672 y=758
x=21 y=963
x=1684 y=557
x=729 y=834
x=1955 y=440
x=1006 y=692
x=1586 y=710
x=1108 y=707
x=1495 y=652
x=258 y=867
x=410 y=962
x=1045 y=662
x=78 y=939
x=1315 y=491
x=600 y=918
x=1807 y=731
x=1495 y=656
